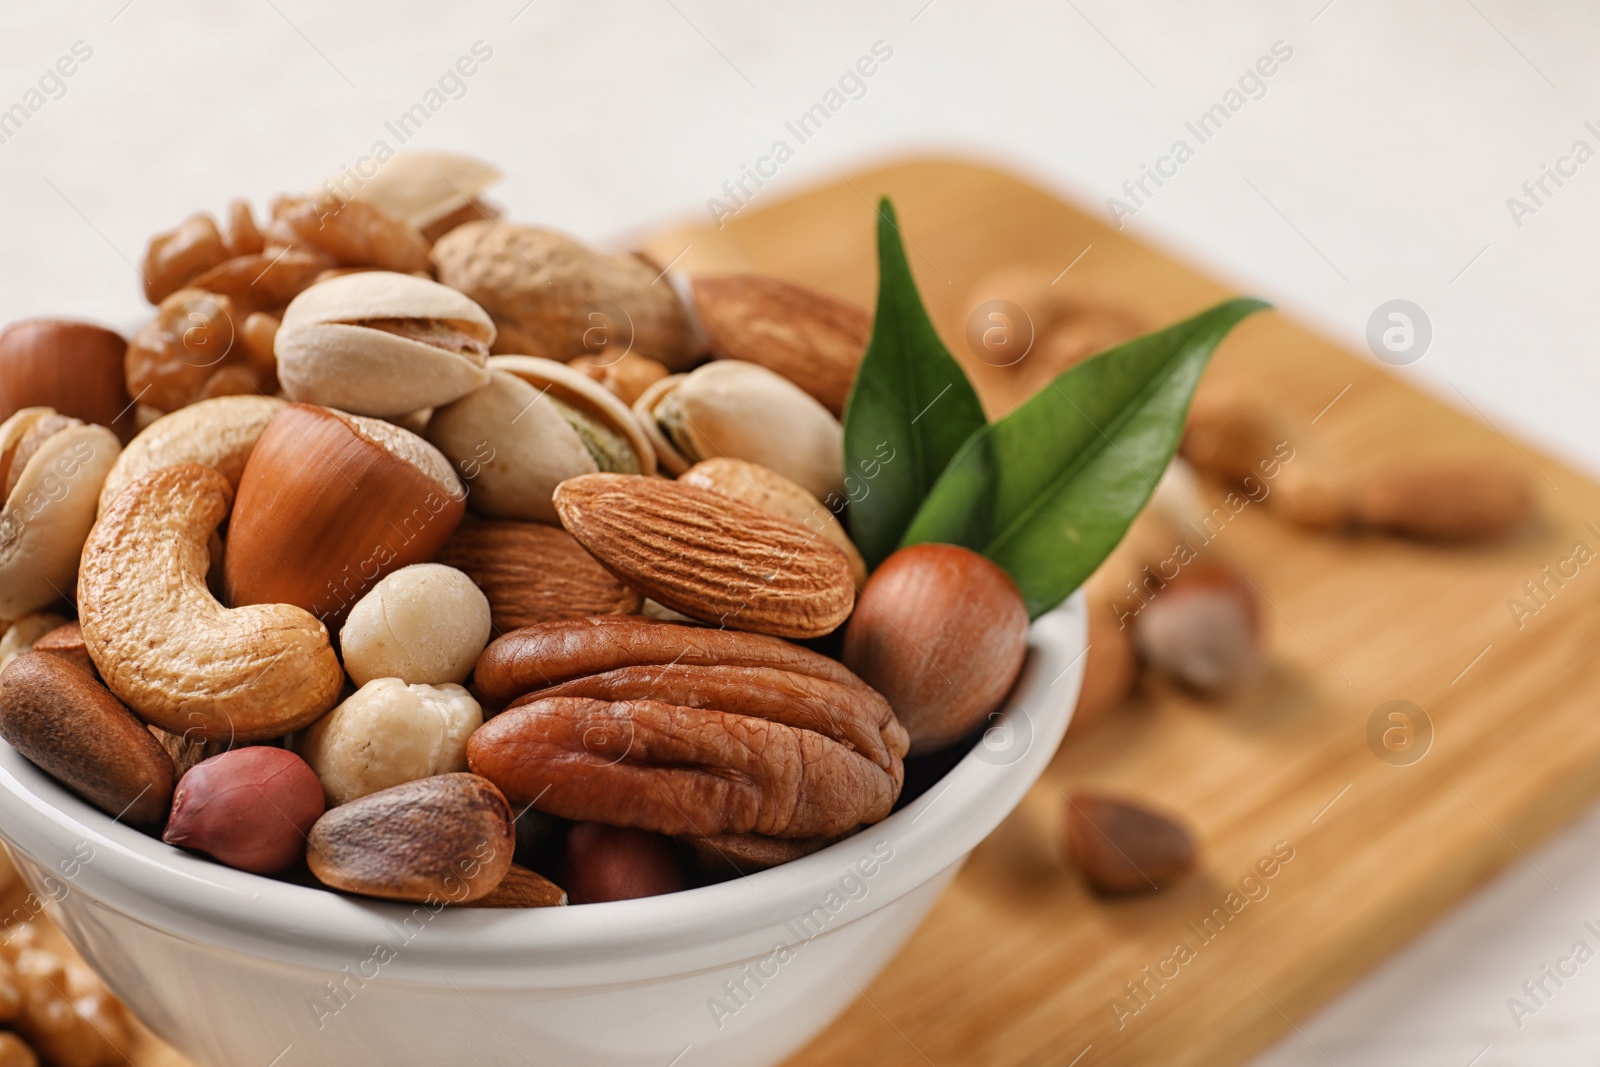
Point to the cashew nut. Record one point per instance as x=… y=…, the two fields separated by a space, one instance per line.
x=220 y=433
x=163 y=643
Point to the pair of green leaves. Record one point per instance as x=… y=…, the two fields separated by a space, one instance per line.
x=1047 y=491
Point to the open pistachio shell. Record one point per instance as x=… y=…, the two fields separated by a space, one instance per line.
x=535 y=425
x=48 y=514
x=421 y=187
x=742 y=411
x=430 y=348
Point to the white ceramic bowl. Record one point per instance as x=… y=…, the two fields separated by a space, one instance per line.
x=240 y=971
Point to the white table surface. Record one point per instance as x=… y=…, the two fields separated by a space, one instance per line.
x=1377 y=165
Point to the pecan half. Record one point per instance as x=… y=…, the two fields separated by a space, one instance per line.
x=545 y=655
x=688 y=732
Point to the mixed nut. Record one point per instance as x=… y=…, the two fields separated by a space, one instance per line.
x=440 y=558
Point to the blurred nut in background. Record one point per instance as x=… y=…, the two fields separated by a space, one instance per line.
x=387 y=733
x=1454 y=500
x=813 y=340
x=1203 y=628
x=51 y=470
x=425 y=623
x=941 y=632
x=352 y=232
x=425 y=190
x=743 y=411
x=536 y=424
x=1123 y=847
x=328 y=504
x=379 y=343
x=74 y=367
x=550 y=296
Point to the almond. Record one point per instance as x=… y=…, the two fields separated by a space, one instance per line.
x=534 y=573
x=522 y=888
x=1447 y=501
x=708 y=556
x=1124 y=847
x=813 y=340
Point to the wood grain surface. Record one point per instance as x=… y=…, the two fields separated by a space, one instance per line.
x=1019 y=964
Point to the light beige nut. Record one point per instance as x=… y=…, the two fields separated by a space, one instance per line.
x=380 y=343
x=167 y=648
x=420 y=188
x=388 y=733
x=537 y=424
x=24 y=632
x=51 y=470
x=423 y=624
x=711 y=557
x=742 y=411
x=813 y=340
x=218 y=433
x=551 y=296
x=771 y=491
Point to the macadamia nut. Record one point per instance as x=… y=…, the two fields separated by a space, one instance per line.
x=424 y=624
x=389 y=733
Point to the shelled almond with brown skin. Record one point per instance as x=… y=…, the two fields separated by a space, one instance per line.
x=1125 y=847
x=522 y=888
x=815 y=341
x=771 y=491
x=164 y=644
x=711 y=557
x=444 y=839
x=688 y=749
x=942 y=633
x=56 y=714
x=534 y=573
x=1457 y=500
x=553 y=297
x=537 y=657
x=74 y=367
x=328 y=504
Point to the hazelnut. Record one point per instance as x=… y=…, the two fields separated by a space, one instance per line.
x=941 y=632
x=389 y=733
x=328 y=504
x=425 y=623
x=250 y=808
x=1203 y=628
x=73 y=367
x=604 y=863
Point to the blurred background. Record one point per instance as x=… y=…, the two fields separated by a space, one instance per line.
x=1396 y=152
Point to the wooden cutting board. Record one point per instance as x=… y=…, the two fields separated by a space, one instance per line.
x=1019 y=964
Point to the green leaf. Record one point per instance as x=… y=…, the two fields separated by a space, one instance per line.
x=1049 y=490
x=909 y=411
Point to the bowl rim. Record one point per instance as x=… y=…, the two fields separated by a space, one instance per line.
x=67 y=846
